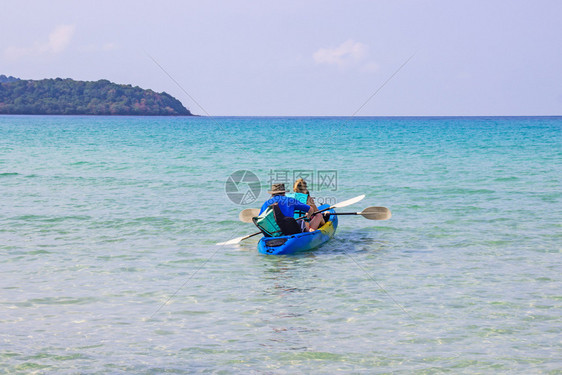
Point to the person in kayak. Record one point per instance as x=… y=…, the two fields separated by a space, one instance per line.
x=284 y=208
x=302 y=194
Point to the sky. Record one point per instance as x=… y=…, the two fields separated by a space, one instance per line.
x=301 y=58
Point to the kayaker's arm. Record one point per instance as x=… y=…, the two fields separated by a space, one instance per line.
x=310 y=202
x=313 y=207
x=310 y=212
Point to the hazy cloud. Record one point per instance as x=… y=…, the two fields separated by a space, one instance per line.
x=57 y=42
x=347 y=53
x=59 y=38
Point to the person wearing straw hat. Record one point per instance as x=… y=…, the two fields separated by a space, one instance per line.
x=285 y=207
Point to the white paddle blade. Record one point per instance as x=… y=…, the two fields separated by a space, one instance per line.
x=348 y=202
x=236 y=240
x=233 y=241
x=246 y=215
x=376 y=213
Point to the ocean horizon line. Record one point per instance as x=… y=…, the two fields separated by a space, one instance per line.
x=287 y=116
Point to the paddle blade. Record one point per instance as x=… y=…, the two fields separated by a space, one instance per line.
x=236 y=240
x=349 y=202
x=376 y=213
x=233 y=241
x=246 y=215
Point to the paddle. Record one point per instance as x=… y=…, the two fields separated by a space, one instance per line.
x=236 y=240
x=370 y=213
x=346 y=203
x=246 y=215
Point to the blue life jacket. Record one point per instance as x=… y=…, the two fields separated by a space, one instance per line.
x=302 y=198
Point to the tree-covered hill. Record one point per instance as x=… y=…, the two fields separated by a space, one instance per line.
x=3 y=78
x=69 y=97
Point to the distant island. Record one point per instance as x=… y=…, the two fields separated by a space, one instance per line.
x=69 y=97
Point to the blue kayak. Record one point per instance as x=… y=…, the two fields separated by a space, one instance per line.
x=301 y=241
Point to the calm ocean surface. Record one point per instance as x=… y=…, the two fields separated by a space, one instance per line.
x=108 y=262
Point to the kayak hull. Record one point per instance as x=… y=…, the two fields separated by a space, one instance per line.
x=300 y=242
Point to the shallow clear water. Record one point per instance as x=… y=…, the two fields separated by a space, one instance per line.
x=108 y=262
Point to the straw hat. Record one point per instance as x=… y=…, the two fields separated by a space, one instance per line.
x=300 y=186
x=277 y=189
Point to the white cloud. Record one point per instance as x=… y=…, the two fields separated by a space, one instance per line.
x=57 y=42
x=59 y=38
x=348 y=53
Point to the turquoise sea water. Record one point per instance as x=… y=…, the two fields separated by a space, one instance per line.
x=108 y=262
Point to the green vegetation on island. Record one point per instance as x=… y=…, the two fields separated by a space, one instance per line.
x=3 y=78
x=69 y=97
